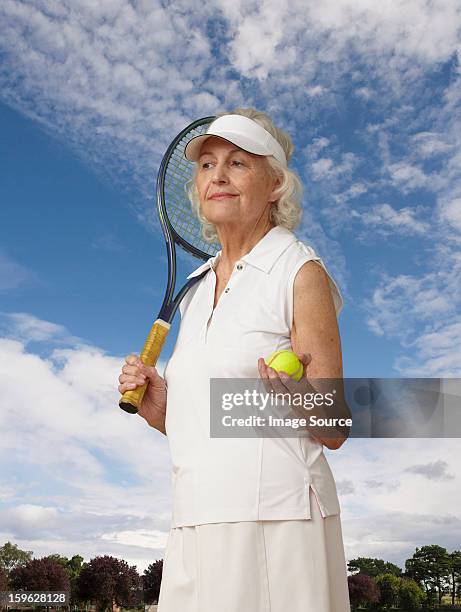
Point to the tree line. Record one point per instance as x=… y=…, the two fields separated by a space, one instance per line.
x=431 y=575
x=104 y=581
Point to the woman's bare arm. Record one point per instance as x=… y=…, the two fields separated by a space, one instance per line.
x=315 y=329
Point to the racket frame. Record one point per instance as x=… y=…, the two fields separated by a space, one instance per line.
x=131 y=399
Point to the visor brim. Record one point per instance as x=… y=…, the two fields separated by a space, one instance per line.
x=194 y=146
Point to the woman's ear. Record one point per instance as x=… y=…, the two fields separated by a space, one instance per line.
x=276 y=185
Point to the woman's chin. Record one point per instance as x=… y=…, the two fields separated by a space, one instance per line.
x=222 y=216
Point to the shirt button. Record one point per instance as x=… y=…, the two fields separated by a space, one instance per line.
x=239 y=266
x=226 y=290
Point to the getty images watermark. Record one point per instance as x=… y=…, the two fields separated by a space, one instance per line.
x=353 y=407
x=262 y=401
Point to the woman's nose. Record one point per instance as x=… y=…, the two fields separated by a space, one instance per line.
x=219 y=174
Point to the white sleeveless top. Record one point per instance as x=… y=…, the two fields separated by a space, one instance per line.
x=217 y=480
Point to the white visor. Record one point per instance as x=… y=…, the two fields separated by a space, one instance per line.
x=241 y=131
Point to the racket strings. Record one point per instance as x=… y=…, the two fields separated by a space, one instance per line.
x=178 y=206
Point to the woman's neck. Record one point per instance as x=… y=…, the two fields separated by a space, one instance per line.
x=236 y=244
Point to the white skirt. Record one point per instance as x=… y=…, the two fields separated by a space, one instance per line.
x=262 y=566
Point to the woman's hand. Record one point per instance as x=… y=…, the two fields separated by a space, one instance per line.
x=274 y=381
x=153 y=404
x=281 y=382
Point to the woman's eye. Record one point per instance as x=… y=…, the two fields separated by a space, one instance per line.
x=234 y=162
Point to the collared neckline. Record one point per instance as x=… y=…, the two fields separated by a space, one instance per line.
x=263 y=255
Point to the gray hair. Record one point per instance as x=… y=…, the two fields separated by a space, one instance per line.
x=286 y=210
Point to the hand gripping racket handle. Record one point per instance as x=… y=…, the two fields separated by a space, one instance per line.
x=131 y=400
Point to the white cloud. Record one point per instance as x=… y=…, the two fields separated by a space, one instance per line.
x=390 y=511
x=385 y=220
x=355 y=190
x=364 y=92
x=113 y=81
x=422 y=313
x=327 y=169
x=394 y=536
x=14 y=275
x=394 y=33
x=264 y=28
x=142 y=538
x=407 y=177
x=315 y=90
x=108 y=241
x=313 y=149
x=430 y=144
x=118 y=94
x=33 y=515
x=437 y=470
x=76 y=467
x=322 y=168
x=28 y=328
x=450 y=211
x=436 y=351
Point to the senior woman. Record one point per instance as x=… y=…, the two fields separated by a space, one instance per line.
x=256 y=521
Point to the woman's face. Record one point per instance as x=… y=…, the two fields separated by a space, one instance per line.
x=234 y=186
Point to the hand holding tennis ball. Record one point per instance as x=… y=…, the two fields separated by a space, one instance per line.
x=286 y=361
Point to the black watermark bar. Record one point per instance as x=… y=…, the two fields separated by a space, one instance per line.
x=34 y=598
x=336 y=407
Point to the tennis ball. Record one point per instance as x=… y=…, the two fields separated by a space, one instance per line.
x=286 y=361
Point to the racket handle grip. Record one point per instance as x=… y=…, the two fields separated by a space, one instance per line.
x=131 y=400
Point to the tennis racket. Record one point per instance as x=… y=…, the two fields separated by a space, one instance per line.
x=180 y=227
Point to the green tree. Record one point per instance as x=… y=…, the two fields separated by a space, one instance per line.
x=455 y=574
x=11 y=556
x=430 y=565
x=373 y=567
x=388 y=585
x=410 y=595
x=73 y=567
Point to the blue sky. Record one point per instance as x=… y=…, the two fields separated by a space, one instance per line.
x=90 y=96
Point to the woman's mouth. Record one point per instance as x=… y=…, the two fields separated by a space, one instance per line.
x=222 y=196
